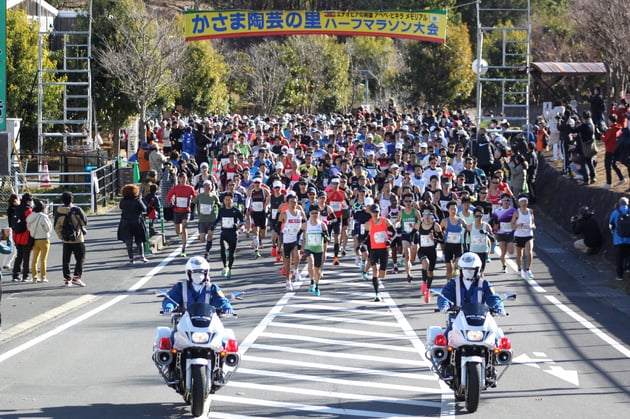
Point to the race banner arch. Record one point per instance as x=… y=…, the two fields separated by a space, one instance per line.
x=425 y=25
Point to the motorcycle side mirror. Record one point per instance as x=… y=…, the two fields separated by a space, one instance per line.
x=510 y=296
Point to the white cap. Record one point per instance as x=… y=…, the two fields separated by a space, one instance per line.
x=290 y=151
x=334 y=180
x=368 y=201
x=423 y=145
x=405 y=128
x=370 y=136
x=207 y=182
x=277 y=184
x=204 y=164
x=279 y=165
x=394 y=166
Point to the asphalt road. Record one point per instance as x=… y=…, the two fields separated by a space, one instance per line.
x=86 y=352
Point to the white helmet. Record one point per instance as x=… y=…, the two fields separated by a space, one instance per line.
x=197 y=269
x=469 y=265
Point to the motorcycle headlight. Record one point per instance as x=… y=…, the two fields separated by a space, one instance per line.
x=474 y=335
x=200 y=337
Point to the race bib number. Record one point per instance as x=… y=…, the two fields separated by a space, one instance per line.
x=205 y=209
x=257 y=206
x=505 y=226
x=314 y=239
x=362 y=228
x=230 y=175
x=227 y=223
x=443 y=205
x=495 y=207
x=380 y=237
x=408 y=226
x=181 y=202
x=485 y=218
x=426 y=241
x=336 y=206
x=274 y=212
x=478 y=240
x=453 y=237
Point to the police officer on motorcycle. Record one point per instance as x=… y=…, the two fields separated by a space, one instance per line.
x=469 y=287
x=197 y=288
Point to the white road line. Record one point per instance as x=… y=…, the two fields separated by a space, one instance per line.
x=50 y=314
x=335 y=394
x=307 y=408
x=590 y=326
x=29 y=344
x=328 y=329
x=338 y=319
x=355 y=370
x=585 y=323
x=338 y=342
x=365 y=296
x=328 y=380
x=313 y=353
x=368 y=310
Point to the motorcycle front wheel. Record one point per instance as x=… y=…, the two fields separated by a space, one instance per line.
x=473 y=388
x=198 y=389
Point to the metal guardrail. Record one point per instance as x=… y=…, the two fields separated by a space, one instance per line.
x=98 y=184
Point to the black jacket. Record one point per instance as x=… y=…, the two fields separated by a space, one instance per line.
x=589 y=229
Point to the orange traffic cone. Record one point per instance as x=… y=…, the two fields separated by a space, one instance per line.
x=44 y=178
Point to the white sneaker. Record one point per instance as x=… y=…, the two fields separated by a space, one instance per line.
x=608 y=185
x=289 y=286
x=297 y=276
x=357 y=260
x=621 y=182
x=523 y=274
x=529 y=275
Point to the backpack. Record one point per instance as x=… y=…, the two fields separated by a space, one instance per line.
x=69 y=232
x=623 y=225
x=18 y=221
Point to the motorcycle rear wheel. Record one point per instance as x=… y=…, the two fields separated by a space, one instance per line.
x=198 y=390
x=473 y=387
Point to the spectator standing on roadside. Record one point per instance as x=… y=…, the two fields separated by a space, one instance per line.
x=22 y=239
x=610 y=142
x=620 y=240
x=12 y=203
x=131 y=227
x=74 y=247
x=584 y=224
x=40 y=227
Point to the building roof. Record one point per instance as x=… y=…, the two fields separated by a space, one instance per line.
x=44 y=5
x=568 y=69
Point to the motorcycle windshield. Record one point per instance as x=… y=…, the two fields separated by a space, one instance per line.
x=200 y=314
x=475 y=313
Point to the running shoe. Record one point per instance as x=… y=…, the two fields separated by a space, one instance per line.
x=311 y=288
x=289 y=286
x=504 y=269
x=67 y=282
x=529 y=274
x=357 y=260
x=409 y=279
x=183 y=254
x=378 y=298
x=366 y=276
x=278 y=259
x=228 y=273
x=131 y=261
x=343 y=252
x=206 y=256
x=283 y=271
x=522 y=274
x=427 y=297
x=143 y=259
x=424 y=288
x=256 y=254
x=223 y=271
x=77 y=281
x=297 y=276
x=316 y=292
x=395 y=270
x=362 y=265
x=274 y=252
x=335 y=260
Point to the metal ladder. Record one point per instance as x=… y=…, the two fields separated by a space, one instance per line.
x=511 y=75
x=73 y=80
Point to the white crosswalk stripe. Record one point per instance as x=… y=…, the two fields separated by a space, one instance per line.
x=337 y=355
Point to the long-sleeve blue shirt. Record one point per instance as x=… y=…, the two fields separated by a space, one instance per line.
x=217 y=298
x=489 y=298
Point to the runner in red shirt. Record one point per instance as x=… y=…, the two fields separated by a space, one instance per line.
x=179 y=197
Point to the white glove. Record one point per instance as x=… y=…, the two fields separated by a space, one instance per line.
x=501 y=312
x=444 y=309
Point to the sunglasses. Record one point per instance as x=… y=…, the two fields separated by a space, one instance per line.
x=478 y=216
x=407 y=201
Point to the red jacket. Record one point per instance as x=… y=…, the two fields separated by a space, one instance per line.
x=610 y=137
x=621 y=115
x=23 y=238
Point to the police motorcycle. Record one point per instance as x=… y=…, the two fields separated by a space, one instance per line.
x=198 y=355
x=471 y=351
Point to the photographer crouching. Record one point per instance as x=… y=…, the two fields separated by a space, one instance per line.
x=585 y=225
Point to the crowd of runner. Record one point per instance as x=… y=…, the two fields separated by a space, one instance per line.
x=406 y=188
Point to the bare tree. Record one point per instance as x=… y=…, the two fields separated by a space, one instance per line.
x=604 y=26
x=145 y=55
x=268 y=77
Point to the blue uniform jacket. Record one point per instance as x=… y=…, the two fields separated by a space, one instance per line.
x=617 y=239
x=217 y=299
x=490 y=298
